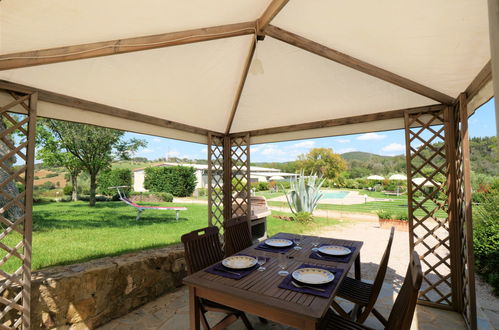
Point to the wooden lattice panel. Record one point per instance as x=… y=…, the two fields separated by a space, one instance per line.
x=215 y=180
x=240 y=176
x=17 y=135
x=429 y=206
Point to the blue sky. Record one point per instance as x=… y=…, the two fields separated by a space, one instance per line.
x=482 y=123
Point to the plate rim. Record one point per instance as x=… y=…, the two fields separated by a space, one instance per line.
x=290 y=242
x=299 y=269
x=255 y=262
x=340 y=255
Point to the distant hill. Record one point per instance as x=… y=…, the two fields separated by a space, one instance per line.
x=363 y=156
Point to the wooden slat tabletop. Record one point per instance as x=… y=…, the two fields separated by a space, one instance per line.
x=259 y=291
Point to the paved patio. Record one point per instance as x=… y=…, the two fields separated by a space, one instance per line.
x=171 y=310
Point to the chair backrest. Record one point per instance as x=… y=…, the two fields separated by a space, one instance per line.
x=403 y=308
x=380 y=277
x=237 y=235
x=202 y=248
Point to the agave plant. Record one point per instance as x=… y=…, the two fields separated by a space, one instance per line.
x=304 y=194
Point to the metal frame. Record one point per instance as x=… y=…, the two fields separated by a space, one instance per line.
x=16 y=209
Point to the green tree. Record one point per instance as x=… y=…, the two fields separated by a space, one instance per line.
x=322 y=161
x=94 y=147
x=53 y=153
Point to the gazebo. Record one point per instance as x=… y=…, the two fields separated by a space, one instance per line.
x=183 y=70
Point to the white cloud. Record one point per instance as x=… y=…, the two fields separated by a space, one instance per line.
x=345 y=150
x=394 y=147
x=156 y=139
x=304 y=144
x=371 y=136
x=343 y=140
x=146 y=151
x=204 y=151
x=172 y=153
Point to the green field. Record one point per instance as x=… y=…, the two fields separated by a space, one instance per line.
x=72 y=232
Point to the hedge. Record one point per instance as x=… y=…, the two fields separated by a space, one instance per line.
x=180 y=181
x=486 y=236
x=113 y=178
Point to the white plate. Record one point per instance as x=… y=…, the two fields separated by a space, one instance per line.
x=334 y=250
x=278 y=242
x=239 y=262
x=313 y=275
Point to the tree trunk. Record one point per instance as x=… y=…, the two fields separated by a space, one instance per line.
x=93 y=188
x=14 y=212
x=74 y=184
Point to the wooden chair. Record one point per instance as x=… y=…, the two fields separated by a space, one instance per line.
x=364 y=295
x=403 y=309
x=237 y=235
x=202 y=249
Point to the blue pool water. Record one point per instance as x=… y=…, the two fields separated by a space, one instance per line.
x=334 y=194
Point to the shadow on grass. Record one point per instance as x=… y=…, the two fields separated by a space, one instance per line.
x=95 y=256
x=102 y=215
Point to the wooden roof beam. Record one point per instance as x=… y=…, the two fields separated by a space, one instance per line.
x=393 y=114
x=268 y=15
x=70 y=101
x=354 y=63
x=483 y=77
x=240 y=87
x=120 y=46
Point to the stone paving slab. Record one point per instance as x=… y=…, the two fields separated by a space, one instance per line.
x=171 y=310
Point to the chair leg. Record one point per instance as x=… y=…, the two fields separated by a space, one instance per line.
x=204 y=321
x=247 y=323
x=338 y=309
x=264 y=321
x=226 y=321
x=380 y=317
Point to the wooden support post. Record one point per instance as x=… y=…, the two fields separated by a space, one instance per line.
x=227 y=180
x=28 y=213
x=453 y=214
x=467 y=257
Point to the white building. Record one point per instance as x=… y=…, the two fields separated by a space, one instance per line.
x=258 y=174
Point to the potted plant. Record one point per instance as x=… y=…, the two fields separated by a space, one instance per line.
x=388 y=219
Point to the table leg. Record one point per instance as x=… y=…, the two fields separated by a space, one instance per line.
x=193 y=310
x=357 y=268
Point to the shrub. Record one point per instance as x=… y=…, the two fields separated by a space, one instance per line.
x=36 y=177
x=166 y=197
x=382 y=214
x=486 y=237
x=202 y=192
x=303 y=217
x=402 y=216
x=98 y=198
x=113 y=178
x=68 y=189
x=51 y=175
x=47 y=185
x=180 y=181
x=238 y=185
x=263 y=186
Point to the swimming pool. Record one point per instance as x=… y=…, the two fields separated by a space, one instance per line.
x=334 y=194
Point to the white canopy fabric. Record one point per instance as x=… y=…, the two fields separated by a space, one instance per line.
x=375 y=177
x=442 y=45
x=419 y=181
x=399 y=177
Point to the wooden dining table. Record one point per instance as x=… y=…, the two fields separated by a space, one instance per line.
x=258 y=293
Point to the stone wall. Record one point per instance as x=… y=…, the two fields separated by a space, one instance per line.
x=86 y=295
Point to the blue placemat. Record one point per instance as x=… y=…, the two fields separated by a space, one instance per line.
x=321 y=256
x=328 y=288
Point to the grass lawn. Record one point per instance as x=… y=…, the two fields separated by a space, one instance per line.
x=67 y=233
